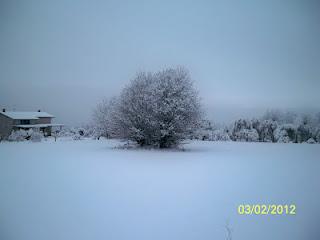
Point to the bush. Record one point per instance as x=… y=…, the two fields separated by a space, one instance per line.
x=72 y=132
x=18 y=136
x=200 y=134
x=23 y=135
x=220 y=135
x=35 y=136
x=158 y=109
x=77 y=137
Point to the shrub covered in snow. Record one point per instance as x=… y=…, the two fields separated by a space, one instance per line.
x=73 y=132
x=18 y=135
x=200 y=134
x=23 y=135
x=158 y=109
x=66 y=132
x=203 y=131
x=220 y=135
x=77 y=137
x=35 y=136
x=88 y=130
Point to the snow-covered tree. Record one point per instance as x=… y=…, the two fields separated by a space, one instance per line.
x=303 y=133
x=316 y=135
x=243 y=131
x=281 y=136
x=266 y=130
x=159 y=109
x=104 y=118
x=286 y=133
x=304 y=128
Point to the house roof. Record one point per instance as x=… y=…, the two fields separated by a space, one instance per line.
x=27 y=115
x=39 y=125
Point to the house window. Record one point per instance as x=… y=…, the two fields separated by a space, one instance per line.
x=24 y=122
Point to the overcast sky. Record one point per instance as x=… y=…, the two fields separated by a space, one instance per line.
x=244 y=56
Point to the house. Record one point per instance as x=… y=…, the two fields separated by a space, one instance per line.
x=40 y=121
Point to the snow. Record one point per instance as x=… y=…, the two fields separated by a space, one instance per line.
x=40 y=125
x=26 y=115
x=88 y=189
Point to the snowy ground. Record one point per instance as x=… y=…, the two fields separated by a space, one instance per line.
x=88 y=190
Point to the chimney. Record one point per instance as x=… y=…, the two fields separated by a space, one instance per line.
x=3 y=110
x=39 y=110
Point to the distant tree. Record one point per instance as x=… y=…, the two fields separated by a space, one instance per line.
x=281 y=117
x=317 y=135
x=317 y=119
x=274 y=115
x=304 y=128
x=266 y=130
x=281 y=136
x=288 y=118
x=286 y=133
x=243 y=131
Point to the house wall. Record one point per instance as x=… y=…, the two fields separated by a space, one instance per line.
x=18 y=121
x=44 y=120
x=6 y=124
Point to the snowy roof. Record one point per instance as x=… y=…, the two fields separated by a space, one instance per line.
x=39 y=125
x=26 y=115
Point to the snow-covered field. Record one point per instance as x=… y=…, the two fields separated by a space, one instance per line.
x=89 y=190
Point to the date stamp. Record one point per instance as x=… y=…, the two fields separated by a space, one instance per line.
x=267 y=209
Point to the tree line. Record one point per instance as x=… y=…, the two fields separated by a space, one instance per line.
x=273 y=126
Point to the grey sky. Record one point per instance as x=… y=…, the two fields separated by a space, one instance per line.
x=245 y=56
